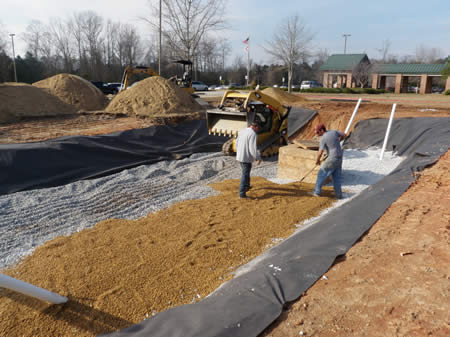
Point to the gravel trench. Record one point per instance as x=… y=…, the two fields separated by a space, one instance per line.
x=30 y=218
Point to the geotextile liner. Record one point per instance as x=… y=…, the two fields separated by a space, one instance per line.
x=248 y=303
x=64 y=160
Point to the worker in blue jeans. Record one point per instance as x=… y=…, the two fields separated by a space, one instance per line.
x=246 y=154
x=332 y=166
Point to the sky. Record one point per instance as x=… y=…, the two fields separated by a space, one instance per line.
x=406 y=24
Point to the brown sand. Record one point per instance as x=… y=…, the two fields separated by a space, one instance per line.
x=120 y=272
x=153 y=96
x=75 y=91
x=18 y=100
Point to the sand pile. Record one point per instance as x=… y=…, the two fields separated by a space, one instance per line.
x=283 y=96
x=19 y=100
x=75 y=91
x=153 y=96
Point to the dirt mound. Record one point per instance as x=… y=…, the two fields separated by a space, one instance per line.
x=18 y=100
x=74 y=90
x=283 y=96
x=153 y=96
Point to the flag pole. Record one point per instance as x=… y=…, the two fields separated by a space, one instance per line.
x=248 y=60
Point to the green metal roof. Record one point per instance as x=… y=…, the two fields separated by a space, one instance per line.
x=417 y=69
x=343 y=61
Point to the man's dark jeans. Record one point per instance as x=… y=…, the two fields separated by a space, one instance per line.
x=245 y=178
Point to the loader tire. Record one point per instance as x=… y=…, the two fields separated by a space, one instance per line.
x=227 y=147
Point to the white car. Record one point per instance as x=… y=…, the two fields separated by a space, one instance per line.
x=199 y=86
x=310 y=84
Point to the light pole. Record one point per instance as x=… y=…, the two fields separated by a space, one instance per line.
x=14 y=56
x=345 y=44
x=160 y=33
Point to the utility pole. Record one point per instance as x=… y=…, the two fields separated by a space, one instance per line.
x=160 y=30
x=14 y=57
x=345 y=44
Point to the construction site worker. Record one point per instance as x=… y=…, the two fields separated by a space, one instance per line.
x=246 y=154
x=332 y=166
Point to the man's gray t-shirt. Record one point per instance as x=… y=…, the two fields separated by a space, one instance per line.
x=330 y=143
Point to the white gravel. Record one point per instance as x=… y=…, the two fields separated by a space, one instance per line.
x=30 y=218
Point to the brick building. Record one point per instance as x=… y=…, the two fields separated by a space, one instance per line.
x=344 y=70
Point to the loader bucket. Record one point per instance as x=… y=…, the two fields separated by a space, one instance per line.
x=226 y=123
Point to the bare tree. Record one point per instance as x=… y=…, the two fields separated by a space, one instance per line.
x=76 y=24
x=128 y=45
x=225 y=50
x=89 y=27
x=384 y=50
x=2 y=37
x=33 y=37
x=361 y=74
x=322 y=55
x=428 y=55
x=61 y=37
x=290 y=44
x=4 y=58
x=185 y=23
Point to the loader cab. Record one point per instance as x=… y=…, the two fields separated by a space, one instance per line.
x=260 y=113
x=185 y=80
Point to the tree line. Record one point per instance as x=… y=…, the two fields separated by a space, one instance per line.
x=96 y=49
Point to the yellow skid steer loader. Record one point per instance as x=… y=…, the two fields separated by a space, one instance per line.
x=238 y=109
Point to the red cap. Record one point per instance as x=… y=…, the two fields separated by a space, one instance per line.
x=320 y=127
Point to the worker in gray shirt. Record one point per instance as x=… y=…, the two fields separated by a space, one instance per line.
x=332 y=166
x=246 y=154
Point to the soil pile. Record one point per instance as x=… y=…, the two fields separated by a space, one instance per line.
x=18 y=100
x=284 y=96
x=152 y=97
x=122 y=271
x=75 y=91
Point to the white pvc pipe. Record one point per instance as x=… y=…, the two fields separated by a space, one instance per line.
x=30 y=290
x=353 y=116
x=388 y=130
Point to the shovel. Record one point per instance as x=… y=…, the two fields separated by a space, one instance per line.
x=309 y=172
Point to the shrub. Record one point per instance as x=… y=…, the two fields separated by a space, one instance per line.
x=447 y=92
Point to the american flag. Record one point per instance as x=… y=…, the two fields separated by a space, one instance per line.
x=246 y=42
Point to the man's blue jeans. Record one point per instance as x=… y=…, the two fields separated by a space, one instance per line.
x=331 y=167
x=245 y=178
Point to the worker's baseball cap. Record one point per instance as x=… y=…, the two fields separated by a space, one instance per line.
x=320 y=127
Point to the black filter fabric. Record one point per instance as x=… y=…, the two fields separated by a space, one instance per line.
x=246 y=305
x=298 y=118
x=68 y=159
x=65 y=160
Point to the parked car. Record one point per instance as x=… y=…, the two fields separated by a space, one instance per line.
x=310 y=84
x=107 y=88
x=212 y=87
x=115 y=87
x=199 y=86
x=236 y=85
x=437 y=90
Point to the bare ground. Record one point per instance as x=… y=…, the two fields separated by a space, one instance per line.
x=393 y=282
